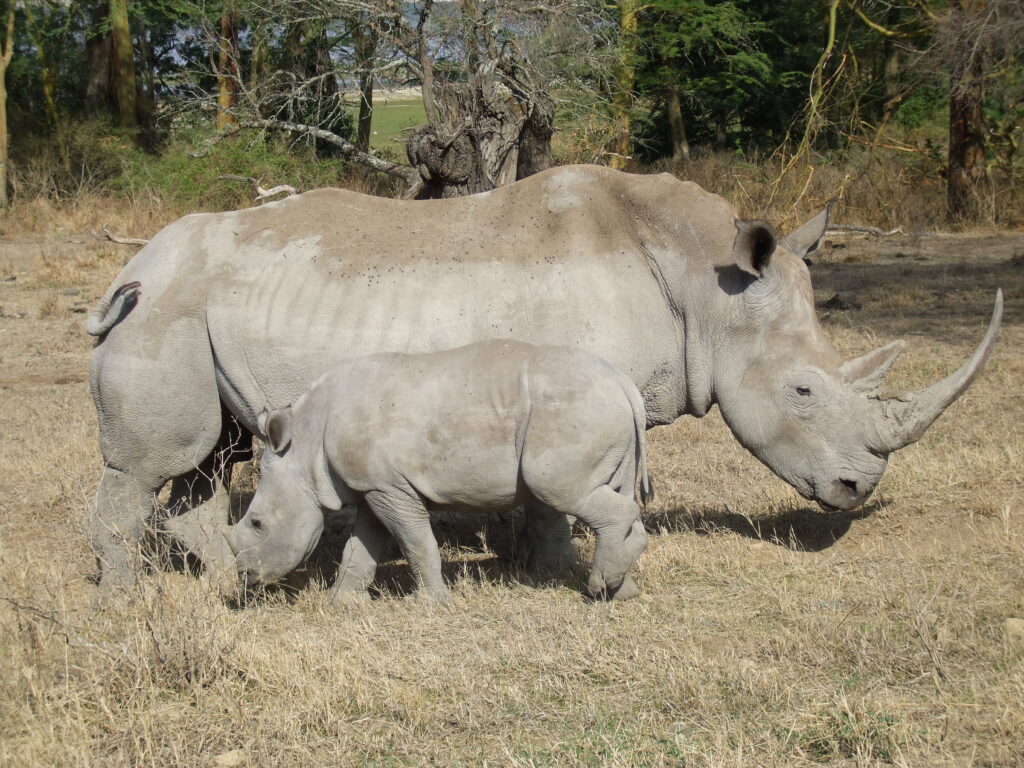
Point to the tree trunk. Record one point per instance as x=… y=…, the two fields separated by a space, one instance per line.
x=48 y=73
x=40 y=23
x=890 y=65
x=124 y=64
x=491 y=131
x=145 y=94
x=535 y=140
x=365 y=43
x=485 y=132
x=99 y=60
x=625 y=77
x=227 y=75
x=677 y=126
x=966 y=163
x=259 y=64
x=6 y=52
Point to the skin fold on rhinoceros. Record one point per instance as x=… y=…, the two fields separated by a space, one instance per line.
x=231 y=313
x=484 y=427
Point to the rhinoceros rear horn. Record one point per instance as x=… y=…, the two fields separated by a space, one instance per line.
x=901 y=420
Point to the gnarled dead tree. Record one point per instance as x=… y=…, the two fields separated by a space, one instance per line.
x=487 y=70
x=487 y=132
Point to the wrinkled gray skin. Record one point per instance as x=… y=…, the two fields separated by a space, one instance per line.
x=484 y=427
x=241 y=311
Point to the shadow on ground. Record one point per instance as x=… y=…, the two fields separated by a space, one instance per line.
x=909 y=287
x=803 y=529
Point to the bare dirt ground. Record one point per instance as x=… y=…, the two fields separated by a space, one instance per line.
x=769 y=633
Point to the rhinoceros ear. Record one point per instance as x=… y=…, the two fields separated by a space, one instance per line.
x=276 y=427
x=868 y=371
x=754 y=245
x=806 y=239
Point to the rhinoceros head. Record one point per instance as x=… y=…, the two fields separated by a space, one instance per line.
x=824 y=425
x=285 y=518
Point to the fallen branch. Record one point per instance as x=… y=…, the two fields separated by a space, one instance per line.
x=875 y=231
x=235 y=177
x=106 y=235
x=866 y=230
x=263 y=194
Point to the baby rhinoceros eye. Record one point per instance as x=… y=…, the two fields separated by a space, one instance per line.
x=256 y=523
x=804 y=391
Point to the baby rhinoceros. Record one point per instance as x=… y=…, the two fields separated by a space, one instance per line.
x=483 y=427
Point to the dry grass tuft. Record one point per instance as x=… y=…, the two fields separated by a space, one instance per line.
x=49 y=306
x=769 y=633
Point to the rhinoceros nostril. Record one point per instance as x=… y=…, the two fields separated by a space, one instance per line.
x=850 y=484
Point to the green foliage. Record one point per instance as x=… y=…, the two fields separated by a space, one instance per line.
x=1003 y=113
x=95 y=157
x=191 y=183
x=72 y=158
x=731 y=63
x=927 y=104
x=391 y=119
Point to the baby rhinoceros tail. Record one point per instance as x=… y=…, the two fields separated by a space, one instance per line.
x=109 y=311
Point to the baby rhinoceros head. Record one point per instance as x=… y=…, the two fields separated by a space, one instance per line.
x=285 y=519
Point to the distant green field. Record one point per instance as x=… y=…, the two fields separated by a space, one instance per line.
x=391 y=118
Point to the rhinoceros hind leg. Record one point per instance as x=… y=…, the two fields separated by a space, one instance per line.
x=403 y=514
x=365 y=548
x=116 y=523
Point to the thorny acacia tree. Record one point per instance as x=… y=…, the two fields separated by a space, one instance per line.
x=490 y=72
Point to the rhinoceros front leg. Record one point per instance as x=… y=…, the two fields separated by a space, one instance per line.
x=403 y=514
x=366 y=547
x=200 y=502
x=548 y=540
x=621 y=539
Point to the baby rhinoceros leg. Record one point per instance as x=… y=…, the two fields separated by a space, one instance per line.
x=402 y=512
x=365 y=548
x=549 y=551
x=621 y=539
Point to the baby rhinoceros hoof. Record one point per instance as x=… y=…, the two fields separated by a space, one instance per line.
x=340 y=599
x=600 y=590
x=627 y=590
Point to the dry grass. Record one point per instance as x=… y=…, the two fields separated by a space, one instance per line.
x=769 y=633
x=882 y=190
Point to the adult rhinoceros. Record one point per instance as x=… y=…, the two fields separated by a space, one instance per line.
x=223 y=315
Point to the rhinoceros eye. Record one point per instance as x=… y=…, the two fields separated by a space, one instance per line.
x=256 y=524
x=804 y=391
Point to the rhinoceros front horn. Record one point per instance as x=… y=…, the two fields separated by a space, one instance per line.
x=901 y=420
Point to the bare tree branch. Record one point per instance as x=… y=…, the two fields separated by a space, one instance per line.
x=105 y=234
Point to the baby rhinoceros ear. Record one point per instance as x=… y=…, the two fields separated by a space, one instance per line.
x=276 y=428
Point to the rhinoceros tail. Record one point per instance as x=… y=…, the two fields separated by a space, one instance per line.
x=640 y=424
x=112 y=309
